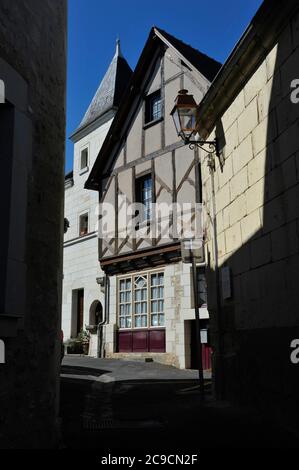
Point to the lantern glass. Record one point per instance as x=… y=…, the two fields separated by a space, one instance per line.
x=177 y=122
x=184 y=115
x=188 y=121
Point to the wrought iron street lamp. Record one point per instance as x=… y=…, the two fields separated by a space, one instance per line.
x=185 y=118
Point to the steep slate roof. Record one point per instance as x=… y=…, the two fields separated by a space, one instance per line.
x=207 y=66
x=110 y=90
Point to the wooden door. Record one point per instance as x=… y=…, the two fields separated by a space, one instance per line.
x=80 y=310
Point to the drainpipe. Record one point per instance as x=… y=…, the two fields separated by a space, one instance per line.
x=219 y=384
x=106 y=313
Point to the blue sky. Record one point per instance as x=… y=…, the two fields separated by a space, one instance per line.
x=93 y=26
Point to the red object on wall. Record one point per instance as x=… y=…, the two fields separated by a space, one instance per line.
x=141 y=340
x=157 y=341
x=206 y=357
x=125 y=341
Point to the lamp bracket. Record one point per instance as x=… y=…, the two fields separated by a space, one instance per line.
x=213 y=148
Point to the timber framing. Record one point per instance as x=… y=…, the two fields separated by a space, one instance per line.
x=150 y=257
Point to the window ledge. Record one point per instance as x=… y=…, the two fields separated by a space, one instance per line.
x=152 y=123
x=84 y=170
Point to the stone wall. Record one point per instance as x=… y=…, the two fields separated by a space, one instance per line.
x=257 y=222
x=33 y=48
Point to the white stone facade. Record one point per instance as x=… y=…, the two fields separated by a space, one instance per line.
x=81 y=266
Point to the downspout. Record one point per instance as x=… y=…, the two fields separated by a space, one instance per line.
x=106 y=315
x=219 y=383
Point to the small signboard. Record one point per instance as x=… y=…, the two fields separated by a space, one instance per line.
x=226 y=283
x=2 y=92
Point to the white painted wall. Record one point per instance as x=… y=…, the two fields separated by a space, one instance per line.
x=80 y=264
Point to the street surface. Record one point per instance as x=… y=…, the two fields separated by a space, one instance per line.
x=120 y=404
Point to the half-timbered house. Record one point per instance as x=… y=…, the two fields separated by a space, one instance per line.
x=150 y=308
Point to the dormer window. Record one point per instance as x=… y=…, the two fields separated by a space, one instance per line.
x=84 y=159
x=153 y=107
x=83 y=225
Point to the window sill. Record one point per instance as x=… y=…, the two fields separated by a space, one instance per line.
x=84 y=170
x=82 y=235
x=152 y=123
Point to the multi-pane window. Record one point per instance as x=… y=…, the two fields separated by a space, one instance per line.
x=144 y=195
x=83 y=224
x=141 y=301
x=153 y=107
x=84 y=158
x=125 y=303
x=157 y=299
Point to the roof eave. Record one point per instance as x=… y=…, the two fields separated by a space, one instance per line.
x=258 y=39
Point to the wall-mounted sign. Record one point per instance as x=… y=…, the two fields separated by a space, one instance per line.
x=226 y=283
x=2 y=92
x=2 y=352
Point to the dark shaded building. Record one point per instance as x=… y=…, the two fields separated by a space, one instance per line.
x=32 y=133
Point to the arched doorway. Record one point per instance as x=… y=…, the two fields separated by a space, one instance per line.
x=95 y=313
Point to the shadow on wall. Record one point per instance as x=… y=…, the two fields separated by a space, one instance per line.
x=262 y=318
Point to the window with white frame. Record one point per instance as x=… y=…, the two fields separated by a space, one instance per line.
x=84 y=159
x=141 y=301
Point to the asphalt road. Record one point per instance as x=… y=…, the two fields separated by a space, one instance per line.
x=118 y=404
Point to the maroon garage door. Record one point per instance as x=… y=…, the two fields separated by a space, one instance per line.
x=141 y=340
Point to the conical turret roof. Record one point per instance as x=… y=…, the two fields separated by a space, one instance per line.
x=110 y=90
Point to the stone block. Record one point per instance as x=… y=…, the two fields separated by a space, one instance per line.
x=264 y=133
x=237 y=209
x=231 y=139
x=233 y=239
x=248 y=120
x=234 y=111
x=255 y=83
x=227 y=172
x=242 y=155
x=222 y=197
x=286 y=144
x=239 y=183
x=250 y=225
x=260 y=251
x=274 y=214
x=257 y=167
x=255 y=196
x=285 y=241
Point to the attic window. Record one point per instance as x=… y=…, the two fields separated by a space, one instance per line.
x=83 y=224
x=84 y=158
x=153 y=107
